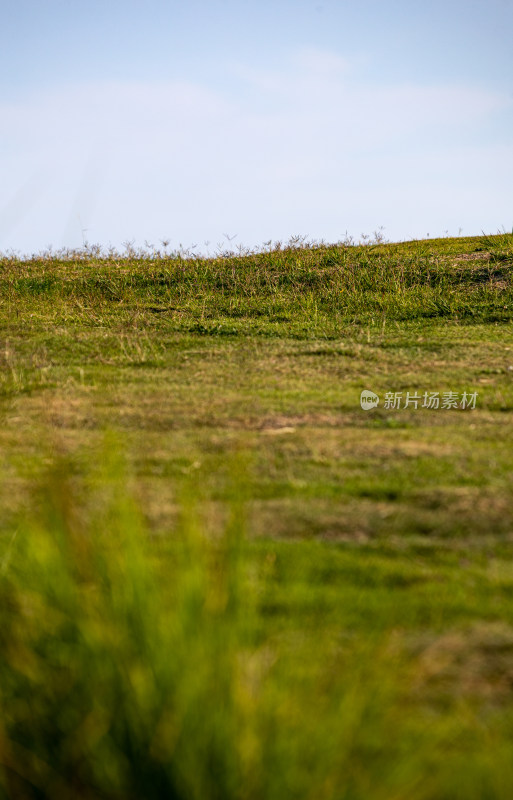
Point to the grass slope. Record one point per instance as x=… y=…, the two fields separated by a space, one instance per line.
x=250 y=587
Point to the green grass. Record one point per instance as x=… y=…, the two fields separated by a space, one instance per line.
x=219 y=576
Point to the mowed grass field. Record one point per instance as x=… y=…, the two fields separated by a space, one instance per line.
x=220 y=577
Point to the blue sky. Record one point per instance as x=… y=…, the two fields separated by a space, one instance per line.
x=186 y=121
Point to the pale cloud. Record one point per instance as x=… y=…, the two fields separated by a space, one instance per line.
x=306 y=149
x=312 y=60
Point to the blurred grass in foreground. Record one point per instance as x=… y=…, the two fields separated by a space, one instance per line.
x=193 y=666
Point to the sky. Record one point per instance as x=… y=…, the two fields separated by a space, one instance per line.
x=225 y=123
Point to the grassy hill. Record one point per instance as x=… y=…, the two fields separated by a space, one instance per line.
x=220 y=577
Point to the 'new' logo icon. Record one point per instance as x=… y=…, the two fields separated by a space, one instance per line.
x=368 y=400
